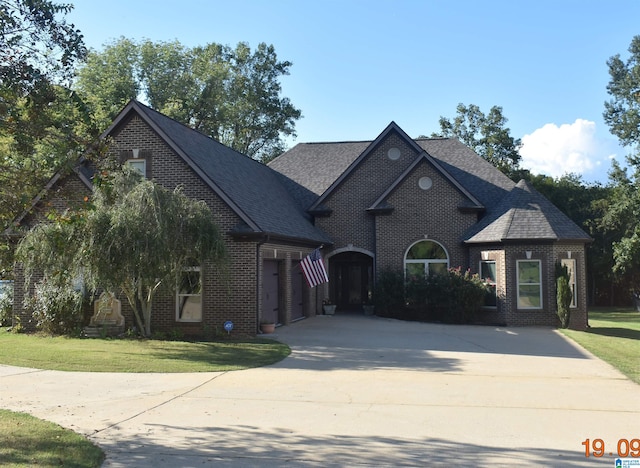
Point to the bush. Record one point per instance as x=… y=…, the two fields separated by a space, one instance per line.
x=451 y=297
x=6 y=305
x=56 y=309
x=564 y=295
x=388 y=294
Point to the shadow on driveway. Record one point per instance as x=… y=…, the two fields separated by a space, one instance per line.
x=229 y=446
x=365 y=342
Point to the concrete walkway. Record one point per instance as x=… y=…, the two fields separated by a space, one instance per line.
x=356 y=391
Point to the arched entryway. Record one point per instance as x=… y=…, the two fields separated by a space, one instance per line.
x=350 y=280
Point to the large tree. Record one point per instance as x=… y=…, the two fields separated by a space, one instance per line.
x=230 y=94
x=486 y=134
x=135 y=236
x=42 y=123
x=622 y=111
x=37 y=45
x=622 y=114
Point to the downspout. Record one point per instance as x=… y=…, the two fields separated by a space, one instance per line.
x=264 y=240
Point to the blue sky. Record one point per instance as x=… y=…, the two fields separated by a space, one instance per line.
x=360 y=64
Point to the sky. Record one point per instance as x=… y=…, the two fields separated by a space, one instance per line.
x=357 y=65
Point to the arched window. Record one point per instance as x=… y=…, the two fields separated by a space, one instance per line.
x=425 y=258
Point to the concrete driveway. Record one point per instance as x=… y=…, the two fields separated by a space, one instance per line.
x=356 y=391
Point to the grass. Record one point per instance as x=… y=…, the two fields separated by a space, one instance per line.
x=614 y=336
x=28 y=441
x=130 y=355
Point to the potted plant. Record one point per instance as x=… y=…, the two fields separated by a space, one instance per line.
x=368 y=308
x=267 y=326
x=328 y=307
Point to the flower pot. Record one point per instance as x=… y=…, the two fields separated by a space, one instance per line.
x=267 y=327
x=329 y=309
x=368 y=309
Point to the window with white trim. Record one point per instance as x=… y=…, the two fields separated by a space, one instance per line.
x=189 y=296
x=570 y=263
x=488 y=275
x=139 y=165
x=425 y=258
x=529 y=274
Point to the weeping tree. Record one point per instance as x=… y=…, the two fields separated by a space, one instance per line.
x=134 y=236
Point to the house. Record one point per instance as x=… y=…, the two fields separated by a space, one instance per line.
x=420 y=205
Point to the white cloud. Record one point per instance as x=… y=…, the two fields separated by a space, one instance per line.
x=569 y=148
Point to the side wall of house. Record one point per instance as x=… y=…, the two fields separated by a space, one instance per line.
x=229 y=292
x=548 y=254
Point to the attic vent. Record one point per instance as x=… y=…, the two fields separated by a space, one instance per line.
x=425 y=183
x=393 y=154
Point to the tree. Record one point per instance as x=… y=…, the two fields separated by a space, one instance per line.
x=485 y=134
x=231 y=95
x=135 y=236
x=622 y=112
x=36 y=46
x=42 y=123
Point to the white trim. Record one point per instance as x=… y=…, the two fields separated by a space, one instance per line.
x=571 y=265
x=136 y=163
x=178 y=296
x=349 y=249
x=539 y=284
x=425 y=261
x=493 y=283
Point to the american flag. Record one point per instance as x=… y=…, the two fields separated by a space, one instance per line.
x=313 y=269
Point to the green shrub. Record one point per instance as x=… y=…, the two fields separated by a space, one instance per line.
x=564 y=295
x=388 y=295
x=6 y=306
x=451 y=297
x=56 y=309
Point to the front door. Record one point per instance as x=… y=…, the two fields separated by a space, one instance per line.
x=351 y=280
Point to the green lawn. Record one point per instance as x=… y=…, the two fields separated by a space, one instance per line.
x=131 y=355
x=28 y=441
x=614 y=336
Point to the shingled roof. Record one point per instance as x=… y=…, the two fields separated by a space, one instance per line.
x=512 y=212
x=317 y=166
x=255 y=192
x=525 y=215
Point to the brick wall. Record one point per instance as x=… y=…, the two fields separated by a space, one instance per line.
x=349 y=223
x=229 y=292
x=422 y=214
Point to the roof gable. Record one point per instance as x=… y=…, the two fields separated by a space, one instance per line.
x=381 y=203
x=252 y=190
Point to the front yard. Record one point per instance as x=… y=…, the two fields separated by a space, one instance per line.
x=613 y=336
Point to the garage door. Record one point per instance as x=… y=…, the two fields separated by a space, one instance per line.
x=270 y=298
x=297 y=283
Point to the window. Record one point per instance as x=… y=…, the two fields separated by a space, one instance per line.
x=139 y=165
x=570 y=263
x=488 y=275
x=189 y=296
x=425 y=258
x=529 y=284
